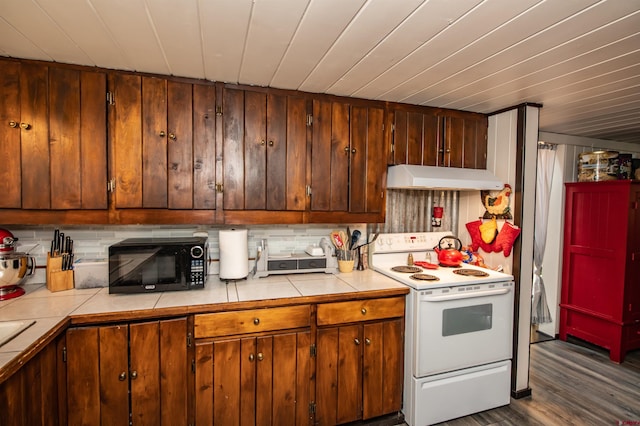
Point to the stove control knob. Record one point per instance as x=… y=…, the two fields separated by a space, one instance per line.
x=410 y=259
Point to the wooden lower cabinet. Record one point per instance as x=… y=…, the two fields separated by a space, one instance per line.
x=253 y=367
x=261 y=380
x=135 y=373
x=359 y=365
x=35 y=394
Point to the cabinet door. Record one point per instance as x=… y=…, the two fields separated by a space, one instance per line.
x=416 y=134
x=367 y=160
x=56 y=124
x=465 y=141
x=204 y=146
x=24 y=136
x=180 y=145
x=11 y=172
x=330 y=156
x=136 y=371
x=31 y=395
x=167 y=144
x=127 y=154
x=77 y=134
x=264 y=151
x=97 y=375
x=339 y=375
x=359 y=371
x=383 y=368
x=253 y=380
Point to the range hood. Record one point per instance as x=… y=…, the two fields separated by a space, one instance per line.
x=408 y=176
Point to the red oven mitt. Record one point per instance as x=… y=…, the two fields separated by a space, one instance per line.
x=506 y=237
x=476 y=237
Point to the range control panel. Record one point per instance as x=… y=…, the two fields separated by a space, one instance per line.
x=405 y=242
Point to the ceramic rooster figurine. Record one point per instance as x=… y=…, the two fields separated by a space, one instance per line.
x=497 y=204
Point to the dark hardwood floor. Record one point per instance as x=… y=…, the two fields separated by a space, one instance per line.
x=572 y=383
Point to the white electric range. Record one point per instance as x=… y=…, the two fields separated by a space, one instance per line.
x=458 y=330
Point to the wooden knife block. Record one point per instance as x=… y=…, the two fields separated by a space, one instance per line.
x=57 y=279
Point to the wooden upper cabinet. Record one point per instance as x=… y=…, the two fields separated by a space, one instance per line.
x=348 y=147
x=264 y=150
x=367 y=160
x=434 y=137
x=164 y=149
x=330 y=156
x=416 y=135
x=54 y=127
x=464 y=143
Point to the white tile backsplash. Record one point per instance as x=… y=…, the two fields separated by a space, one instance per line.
x=94 y=241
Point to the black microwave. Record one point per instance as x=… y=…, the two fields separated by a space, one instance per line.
x=141 y=265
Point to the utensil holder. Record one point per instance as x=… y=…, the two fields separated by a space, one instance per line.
x=57 y=279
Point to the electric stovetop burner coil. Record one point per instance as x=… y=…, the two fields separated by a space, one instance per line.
x=470 y=273
x=406 y=269
x=424 y=277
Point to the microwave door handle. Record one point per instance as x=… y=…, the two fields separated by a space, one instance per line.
x=458 y=296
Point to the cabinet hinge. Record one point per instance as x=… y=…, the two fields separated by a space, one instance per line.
x=111 y=99
x=188 y=340
x=312 y=408
x=308 y=190
x=64 y=354
x=111 y=185
x=193 y=366
x=313 y=350
x=218 y=109
x=309 y=119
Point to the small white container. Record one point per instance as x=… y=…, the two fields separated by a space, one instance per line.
x=91 y=273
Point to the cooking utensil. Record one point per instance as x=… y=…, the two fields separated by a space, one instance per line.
x=355 y=236
x=448 y=251
x=337 y=240
x=375 y=237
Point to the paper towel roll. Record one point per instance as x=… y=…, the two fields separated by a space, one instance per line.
x=234 y=254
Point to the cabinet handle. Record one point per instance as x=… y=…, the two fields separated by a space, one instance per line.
x=356 y=341
x=364 y=311
x=271 y=143
x=262 y=142
x=256 y=321
x=122 y=376
x=25 y=126
x=353 y=151
x=251 y=357
x=367 y=341
x=260 y=356
x=448 y=151
x=13 y=124
x=162 y=134
x=346 y=150
x=133 y=375
x=172 y=136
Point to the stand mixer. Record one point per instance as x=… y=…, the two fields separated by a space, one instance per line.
x=14 y=266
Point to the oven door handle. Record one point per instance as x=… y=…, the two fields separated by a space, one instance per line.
x=458 y=296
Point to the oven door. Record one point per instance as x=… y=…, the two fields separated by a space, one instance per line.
x=460 y=327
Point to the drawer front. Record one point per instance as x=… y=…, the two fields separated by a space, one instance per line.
x=312 y=263
x=251 y=321
x=280 y=265
x=360 y=310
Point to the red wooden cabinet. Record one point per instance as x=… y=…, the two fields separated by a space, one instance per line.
x=600 y=300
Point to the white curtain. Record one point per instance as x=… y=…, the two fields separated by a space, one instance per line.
x=544 y=176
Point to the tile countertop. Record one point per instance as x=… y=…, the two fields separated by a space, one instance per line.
x=51 y=310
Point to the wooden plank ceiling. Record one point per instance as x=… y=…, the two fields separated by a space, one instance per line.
x=580 y=59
